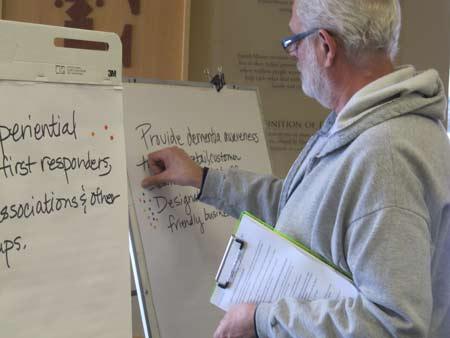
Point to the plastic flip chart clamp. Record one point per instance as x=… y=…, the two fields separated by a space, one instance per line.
x=218 y=80
x=230 y=262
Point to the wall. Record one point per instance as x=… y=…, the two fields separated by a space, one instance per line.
x=425 y=40
x=231 y=32
x=243 y=37
x=155 y=33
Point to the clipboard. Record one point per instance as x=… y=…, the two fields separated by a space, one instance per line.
x=261 y=264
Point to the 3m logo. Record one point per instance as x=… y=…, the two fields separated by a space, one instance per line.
x=60 y=69
x=112 y=73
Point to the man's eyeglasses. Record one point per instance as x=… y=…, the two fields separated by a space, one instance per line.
x=291 y=42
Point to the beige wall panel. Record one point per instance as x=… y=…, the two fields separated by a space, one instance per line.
x=243 y=37
x=159 y=33
x=425 y=39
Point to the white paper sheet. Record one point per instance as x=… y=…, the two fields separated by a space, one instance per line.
x=64 y=260
x=270 y=267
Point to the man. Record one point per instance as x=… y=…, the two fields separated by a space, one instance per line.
x=370 y=191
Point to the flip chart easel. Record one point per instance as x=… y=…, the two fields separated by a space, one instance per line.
x=179 y=241
x=64 y=264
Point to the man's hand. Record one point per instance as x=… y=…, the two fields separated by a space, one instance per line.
x=237 y=323
x=172 y=165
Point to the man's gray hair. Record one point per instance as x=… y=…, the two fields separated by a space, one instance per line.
x=362 y=25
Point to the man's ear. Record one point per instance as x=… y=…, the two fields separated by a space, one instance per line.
x=327 y=47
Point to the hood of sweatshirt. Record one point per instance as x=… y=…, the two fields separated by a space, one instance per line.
x=404 y=91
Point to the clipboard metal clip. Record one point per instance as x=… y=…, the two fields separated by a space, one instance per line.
x=229 y=263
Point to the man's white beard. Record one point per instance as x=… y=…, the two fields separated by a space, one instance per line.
x=314 y=81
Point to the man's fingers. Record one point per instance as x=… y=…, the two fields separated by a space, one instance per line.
x=156 y=167
x=218 y=332
x=162 y=155
x=154 y=180
x=172 y=165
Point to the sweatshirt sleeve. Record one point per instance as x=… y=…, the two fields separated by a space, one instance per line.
x=234 y=191
x=389 y=253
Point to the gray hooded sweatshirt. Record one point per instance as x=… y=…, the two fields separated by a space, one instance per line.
x=371 y=193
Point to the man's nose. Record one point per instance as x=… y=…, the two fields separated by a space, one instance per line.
x=293 y=53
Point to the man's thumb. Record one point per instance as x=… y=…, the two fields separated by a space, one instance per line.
x=153 y=180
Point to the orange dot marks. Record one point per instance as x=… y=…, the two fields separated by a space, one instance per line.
x=111 y=137
x=105 y=127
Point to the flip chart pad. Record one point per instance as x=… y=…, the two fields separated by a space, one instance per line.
x=183 y=239
x=64 y=261
x=63 y=218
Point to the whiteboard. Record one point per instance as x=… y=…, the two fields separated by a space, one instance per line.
x=182 y=240
x=64 y=264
